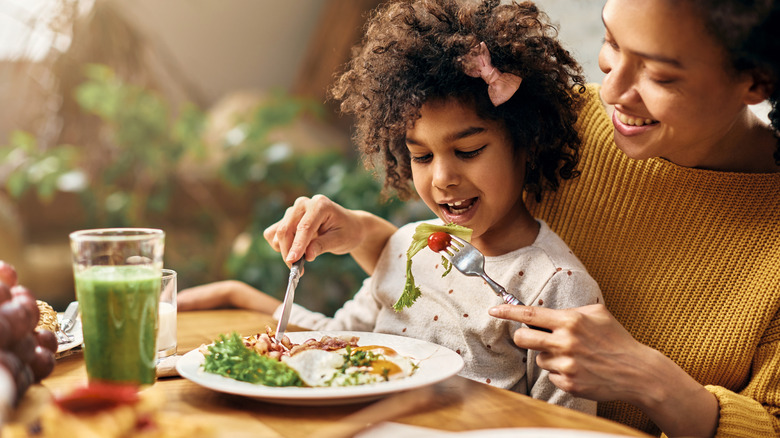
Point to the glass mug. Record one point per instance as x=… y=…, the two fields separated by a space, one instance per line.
x=166 y=329
x=117 y=273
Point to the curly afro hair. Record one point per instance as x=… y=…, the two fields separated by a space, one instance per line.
x=410 y=53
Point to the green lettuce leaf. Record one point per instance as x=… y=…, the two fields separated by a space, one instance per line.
x=230 y=357
x=419 y=241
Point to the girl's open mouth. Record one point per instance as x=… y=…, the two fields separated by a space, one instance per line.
x=459 y=207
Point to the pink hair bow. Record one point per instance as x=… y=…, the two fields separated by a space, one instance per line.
x=501 y=86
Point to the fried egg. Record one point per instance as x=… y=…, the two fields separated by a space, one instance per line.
x=329 y=368
x=389 y=363
x=315 y=367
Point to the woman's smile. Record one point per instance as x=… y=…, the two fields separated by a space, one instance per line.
x=628 y=125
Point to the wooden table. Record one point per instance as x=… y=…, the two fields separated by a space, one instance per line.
x=458 y=404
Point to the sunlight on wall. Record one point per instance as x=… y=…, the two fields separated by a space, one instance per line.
x=26 y=28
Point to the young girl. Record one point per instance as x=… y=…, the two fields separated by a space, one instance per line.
x=475 y=105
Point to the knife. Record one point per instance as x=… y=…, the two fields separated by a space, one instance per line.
x=289 y=297
x=69 y=318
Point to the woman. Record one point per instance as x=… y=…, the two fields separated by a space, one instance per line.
x=683 y=235
x=675 y=215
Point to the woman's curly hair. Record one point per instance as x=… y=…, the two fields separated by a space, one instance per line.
x=749 y=32
x=410 y=53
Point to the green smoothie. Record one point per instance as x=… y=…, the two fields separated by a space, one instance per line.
x=118 y=306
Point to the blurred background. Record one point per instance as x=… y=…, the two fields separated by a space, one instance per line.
x=205 y=118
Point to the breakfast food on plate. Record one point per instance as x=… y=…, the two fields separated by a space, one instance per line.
x=26 y=353
x=105 y=410
x=329 y=361
x=422 y=238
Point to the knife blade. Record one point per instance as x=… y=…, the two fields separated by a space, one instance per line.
x=289 y=296
x=69 y=318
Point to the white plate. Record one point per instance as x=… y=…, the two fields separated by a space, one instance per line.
x=436 y=363
x=75 y=332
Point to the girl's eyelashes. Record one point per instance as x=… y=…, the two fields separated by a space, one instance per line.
x=460 y=154
x=470 y=154
x=422 y=158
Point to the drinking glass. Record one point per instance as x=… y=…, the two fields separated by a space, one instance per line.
x=166 y=332
x=117 y=274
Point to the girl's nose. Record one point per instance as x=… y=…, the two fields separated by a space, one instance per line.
x=620 y=76
x=445 y=174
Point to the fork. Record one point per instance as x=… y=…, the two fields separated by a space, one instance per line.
x=470 y=261
x=63 y=337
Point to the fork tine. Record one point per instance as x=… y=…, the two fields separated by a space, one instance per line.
x=63 y=337
x=465 y=258
x=456 y=244
x=458 y=240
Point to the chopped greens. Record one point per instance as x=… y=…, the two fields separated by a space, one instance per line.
x=229 y=357
x=419 y=241
x=359 y=358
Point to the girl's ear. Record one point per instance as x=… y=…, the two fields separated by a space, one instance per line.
x=760 y=89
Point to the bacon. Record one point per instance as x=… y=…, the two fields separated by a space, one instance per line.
x=266 y=344
x=327 y=343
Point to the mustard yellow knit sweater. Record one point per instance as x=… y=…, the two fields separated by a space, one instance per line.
x=689 y=262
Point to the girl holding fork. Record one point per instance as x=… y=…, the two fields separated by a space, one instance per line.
x=473 y=106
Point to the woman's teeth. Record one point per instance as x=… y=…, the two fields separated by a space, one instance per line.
x=460 y=207
x=633 y=121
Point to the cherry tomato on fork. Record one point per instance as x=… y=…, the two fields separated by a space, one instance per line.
x=439 y=241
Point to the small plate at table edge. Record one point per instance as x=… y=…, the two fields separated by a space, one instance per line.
x=436 y=363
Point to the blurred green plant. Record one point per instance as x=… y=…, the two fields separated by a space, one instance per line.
x=135 y=176
x=132 y=174
x=131 y=179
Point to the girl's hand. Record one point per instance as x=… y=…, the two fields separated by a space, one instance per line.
x=590 y=355
x=225 y=294
x=311 y=227
x=317 y=225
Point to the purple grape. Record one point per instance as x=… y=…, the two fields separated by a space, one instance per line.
x=42 y=363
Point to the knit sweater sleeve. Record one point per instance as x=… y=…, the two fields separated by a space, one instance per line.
x=754 y=411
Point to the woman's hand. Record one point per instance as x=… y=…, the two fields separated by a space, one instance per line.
x=582 y=350
x=317 y=225
x=590 y=355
